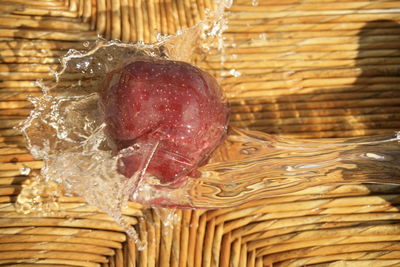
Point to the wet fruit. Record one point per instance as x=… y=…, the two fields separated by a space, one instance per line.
x=169 y=111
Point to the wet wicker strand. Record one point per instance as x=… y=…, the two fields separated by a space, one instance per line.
x=176 y=239
x=208 y=241
x=131 y=253
x=143 y=254
x=184 y=237
x=151 y=229
x=166 y=240
x=226 y=250
x=23 y=238
x=200 y=241
x=61 y=255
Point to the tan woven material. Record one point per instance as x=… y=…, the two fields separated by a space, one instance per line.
x=314 y=68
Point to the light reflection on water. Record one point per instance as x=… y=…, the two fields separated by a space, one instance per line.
x=253 y=165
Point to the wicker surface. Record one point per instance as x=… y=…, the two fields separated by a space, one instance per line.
x=314 y=68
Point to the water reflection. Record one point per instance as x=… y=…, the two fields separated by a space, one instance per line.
x=253 y=165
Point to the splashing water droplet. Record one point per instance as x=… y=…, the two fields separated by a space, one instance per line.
x=263 y=36
x=225 y=3
x=25 y=171
x=235 y=73
x=39 y=197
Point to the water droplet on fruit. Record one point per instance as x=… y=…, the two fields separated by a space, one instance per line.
x=136 y=146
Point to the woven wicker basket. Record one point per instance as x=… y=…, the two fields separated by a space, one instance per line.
x=312 y=68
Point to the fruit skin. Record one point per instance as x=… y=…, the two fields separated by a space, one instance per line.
x=168 y=110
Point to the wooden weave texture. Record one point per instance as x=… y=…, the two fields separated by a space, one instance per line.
x=313 y=68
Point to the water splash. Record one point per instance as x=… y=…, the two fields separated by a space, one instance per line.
x=66 y=129
x=253 y=165
x=39 y=197
x=25 y=171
